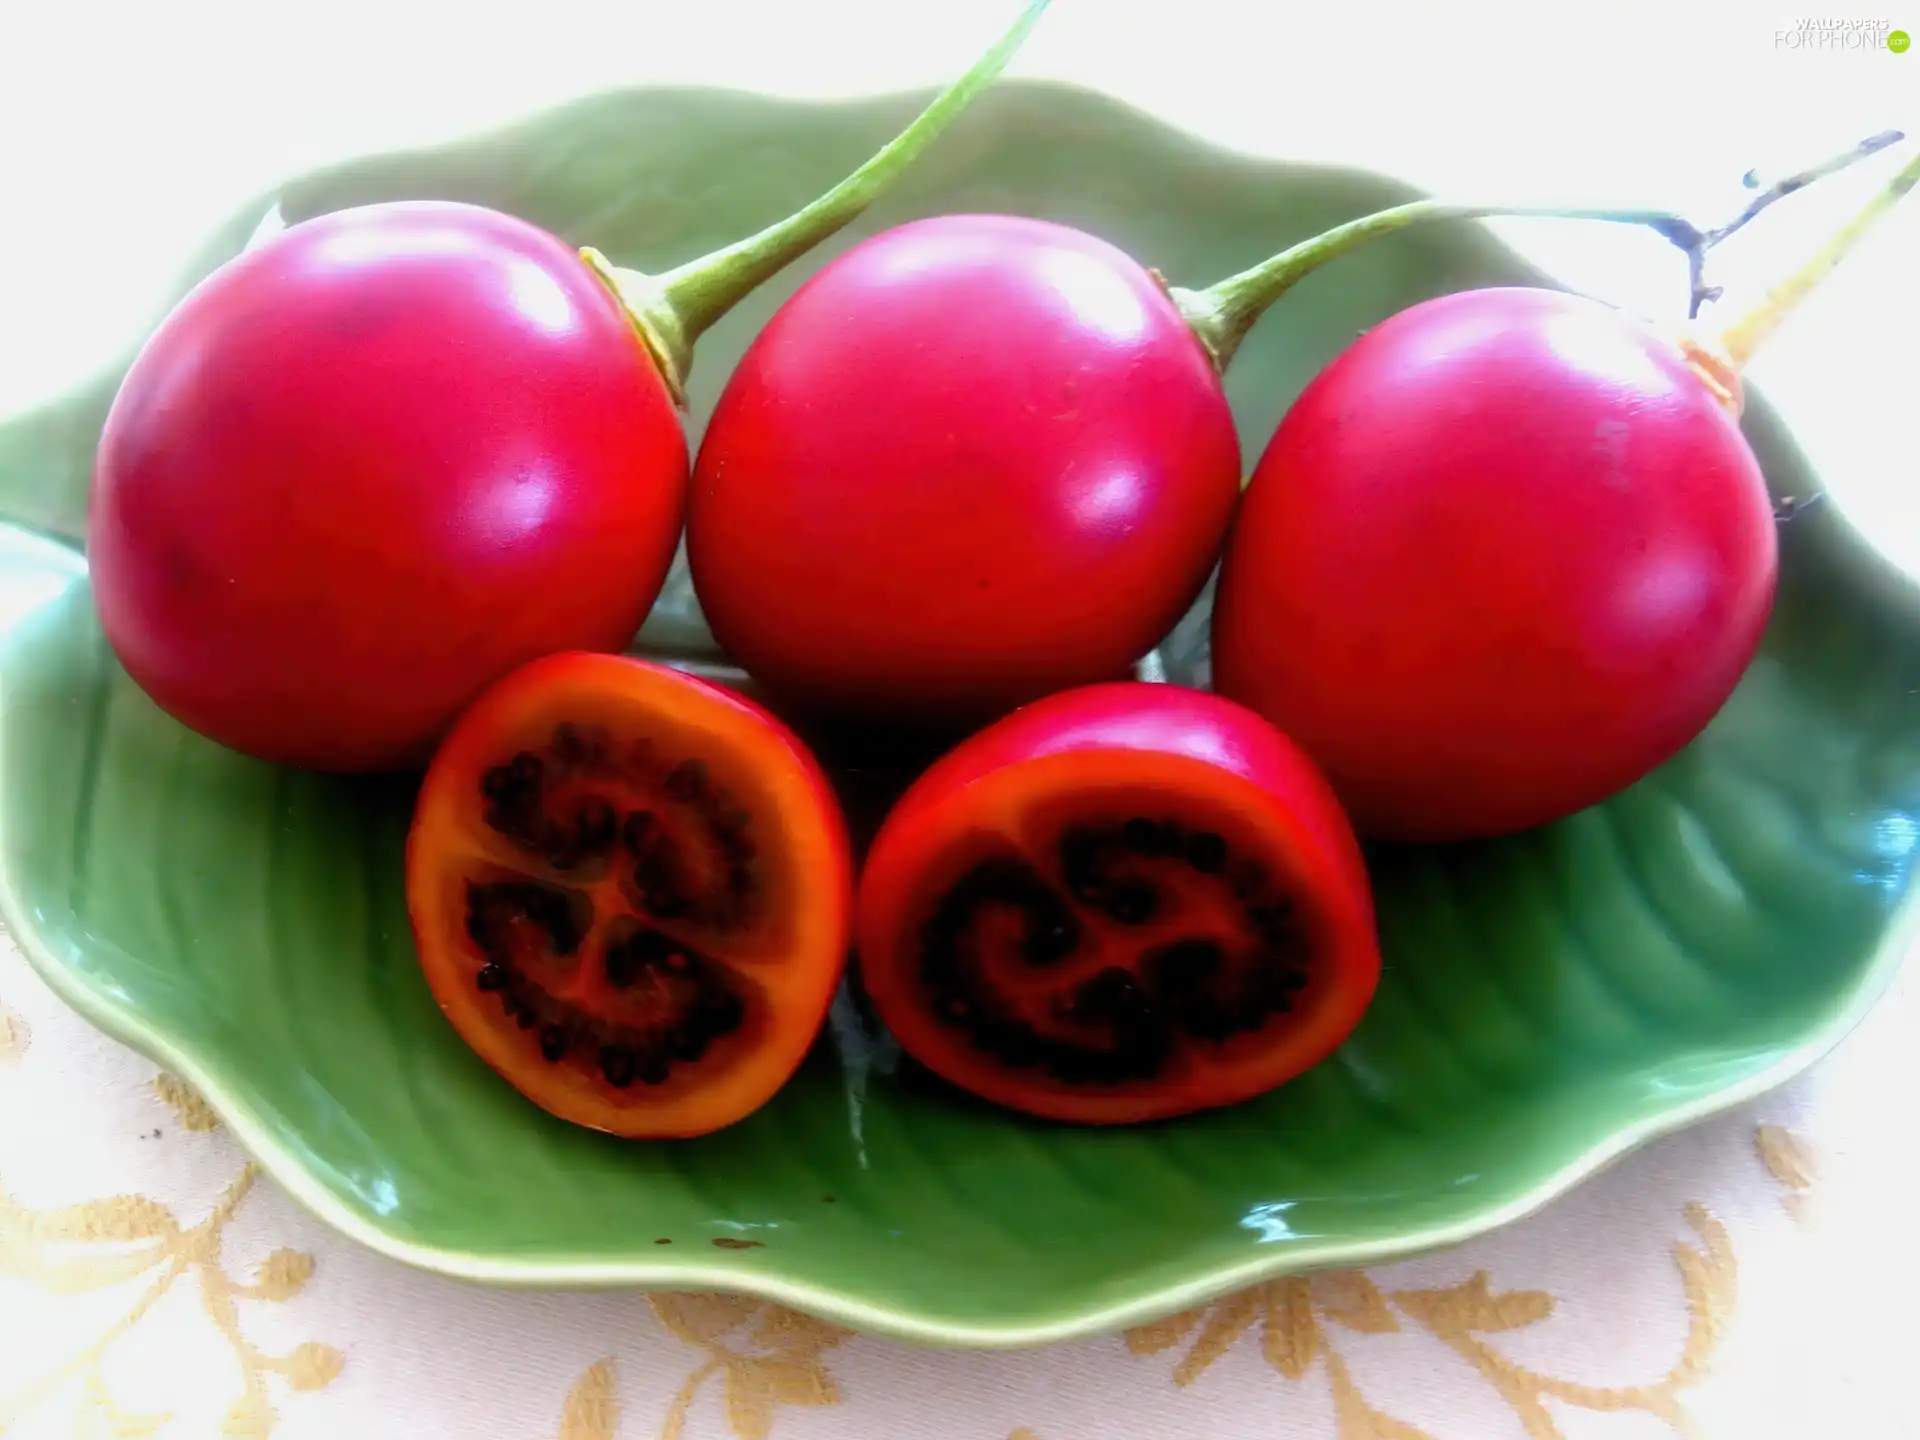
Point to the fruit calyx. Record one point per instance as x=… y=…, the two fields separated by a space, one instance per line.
x=1223 y=313
x=671 y=310
x=1719 y=359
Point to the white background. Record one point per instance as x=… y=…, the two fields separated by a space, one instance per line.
x=126 y=132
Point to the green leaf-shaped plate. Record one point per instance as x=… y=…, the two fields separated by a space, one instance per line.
x=1548 y=1001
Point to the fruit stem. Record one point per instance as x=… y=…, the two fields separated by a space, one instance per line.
x=1778 y=190
x=1719 y=361
x=1222 y=314
x=1747 y=334
x=673 y=309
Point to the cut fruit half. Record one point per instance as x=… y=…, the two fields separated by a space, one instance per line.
x=1125 y=902
x=631 y=892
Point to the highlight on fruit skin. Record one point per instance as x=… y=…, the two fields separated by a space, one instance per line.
x=1121 y=903
x=391 y=452
x=631 y=894
x=1507 y=554
x=978 y=458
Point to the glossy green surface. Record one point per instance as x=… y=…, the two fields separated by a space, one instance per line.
x=1547 y=1001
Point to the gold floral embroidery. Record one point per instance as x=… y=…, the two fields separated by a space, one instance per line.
x=14 y=1036
x=1292 y=1317
x=98 y=1243
x=101 y=1419
x=1790 y=1161
x=592 y=1408
x=767 y=1356
x=194 y=1113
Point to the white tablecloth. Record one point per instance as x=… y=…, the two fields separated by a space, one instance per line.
x=1753 y=1277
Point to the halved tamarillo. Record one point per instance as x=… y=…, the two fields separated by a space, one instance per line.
x=1505 y=555
x=978 y=458
x=631 y=892
x=373 y=463
x=1123 y=902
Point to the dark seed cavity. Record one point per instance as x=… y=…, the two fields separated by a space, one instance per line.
x=687 y=781
x=1133 y=903
x=1206 y=852
x=617 y=1065
x=1050 y=941
x=553 y=1043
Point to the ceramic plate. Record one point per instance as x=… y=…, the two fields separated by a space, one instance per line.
x=1548 y=1001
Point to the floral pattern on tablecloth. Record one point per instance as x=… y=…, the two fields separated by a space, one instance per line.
x=1536 y=1334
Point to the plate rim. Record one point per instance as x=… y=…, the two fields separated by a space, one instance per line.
x=843 y=1303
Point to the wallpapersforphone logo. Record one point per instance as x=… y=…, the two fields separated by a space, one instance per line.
x=1814 y=33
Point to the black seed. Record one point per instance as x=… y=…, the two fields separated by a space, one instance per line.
x=1248 y=878
x=1151 y=837
x=1080 y=862
x=596 y=822
x=943 y=925
x=687 y=780
x=635 y=830
x=1274 y=930
x=597 y=742
x=940 y=967
x=665 y=902
x=527 y=769
x=616 y=1063
x=1133 y=903
x=498 y=784
x=1182 y=968
x=1013 y=1041
x=553 y=1043
x=654 y=1068
x=622 y=964
x=1068 y=1066
x=568 y=744
x=561 y=850
x=491 y=977
x=1206 y=852
x=1206 y=1019
x=524 y=1015
x=1111 y=994
x=723 y=1012
x=953 y=1009
x=687 y=1045
x=1051 y=941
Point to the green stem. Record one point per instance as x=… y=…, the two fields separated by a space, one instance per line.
x=1222 y=314
x=673 y=309
x=1746 y=334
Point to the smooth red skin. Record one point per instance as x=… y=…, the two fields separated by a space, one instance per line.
x=363 y=471
x=973 y=460
x=1503 y=557
x=1326 y=859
